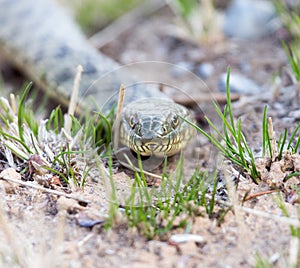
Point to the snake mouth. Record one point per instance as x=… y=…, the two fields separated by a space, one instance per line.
x=152 y=146
x=156 y=149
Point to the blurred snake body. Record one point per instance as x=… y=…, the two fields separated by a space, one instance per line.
x=47 y=46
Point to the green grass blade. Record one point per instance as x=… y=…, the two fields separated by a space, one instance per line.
x=297 y=145
x=56 y=120
x=282 y=144
x=108 y=127
x=264 y=131
x=240 y=145
x=229 y=107
x=293 y=136
x=266 y=143
x=10 y=137
x=229 y=125
x=21 y=111
x=293 y=59
x=53 y=170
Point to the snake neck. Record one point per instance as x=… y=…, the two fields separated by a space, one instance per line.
x=44 y=43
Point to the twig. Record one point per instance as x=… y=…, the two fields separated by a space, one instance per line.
x=249 y=197
x=126 y=22
x=85 y=240
x=50 y=191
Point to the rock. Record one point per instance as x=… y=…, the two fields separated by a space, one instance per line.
x=250 y=19
x=69 y=205
x=239 y=84
x=10 y=173
x=7 y=174
x=86 y=221
x=204 y=70
x=294 y=114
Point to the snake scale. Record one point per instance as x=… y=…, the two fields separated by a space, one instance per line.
x=45 y=44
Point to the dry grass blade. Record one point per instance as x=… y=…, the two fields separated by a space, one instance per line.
x=272 y=136
x=13 y=103
x=131 y=166
x=120 y=101
x=118 y=117
x=293 y=252
x=74 y=99
x=249 y=197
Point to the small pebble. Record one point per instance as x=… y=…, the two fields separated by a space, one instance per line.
x=181 y=68
x=183 y=238
x=245 y=67
x=239 y=84
x=295 y=114
x=110 y=251
x=204 y=70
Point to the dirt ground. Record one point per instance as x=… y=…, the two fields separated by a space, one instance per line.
x=43 y=230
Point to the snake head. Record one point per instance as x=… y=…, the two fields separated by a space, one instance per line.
x=153 y=127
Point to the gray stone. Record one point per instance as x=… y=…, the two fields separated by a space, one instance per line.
x=250 y=19
x=204 y=70
x=239 y=84
x=181 y=68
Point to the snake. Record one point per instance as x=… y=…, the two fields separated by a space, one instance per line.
x=42 y=41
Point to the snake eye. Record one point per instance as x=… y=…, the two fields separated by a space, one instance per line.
x=174 y=121
x=133 y=120
x=164 y=129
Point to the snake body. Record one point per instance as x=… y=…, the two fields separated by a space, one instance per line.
x=45 y=44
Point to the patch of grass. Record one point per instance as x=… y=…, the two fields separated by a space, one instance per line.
x=156 y=212
x=186 y=7
x=281 y=204
x=289 y=14
x=262 y=262
x=293 y=58
x=92 y=134
x=294 y=261
x=231 y=142
x=44 y=145
x=275 y=149
x=200 y=20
